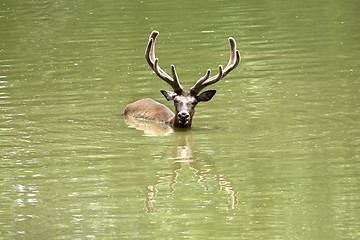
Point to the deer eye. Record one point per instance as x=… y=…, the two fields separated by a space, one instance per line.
x=193 y=104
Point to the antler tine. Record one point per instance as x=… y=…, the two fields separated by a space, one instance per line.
x=200 y=82
x=234 y=57
x=153 y=62
x=232 y=64
x=176 y=79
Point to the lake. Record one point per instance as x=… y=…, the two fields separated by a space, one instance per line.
x=274 y=155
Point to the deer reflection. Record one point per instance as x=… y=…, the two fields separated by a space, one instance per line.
x=183 y=153
x=149 y=128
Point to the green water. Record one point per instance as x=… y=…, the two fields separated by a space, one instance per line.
x=274 y=155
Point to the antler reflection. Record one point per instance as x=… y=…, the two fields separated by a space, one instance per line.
x=184 y=155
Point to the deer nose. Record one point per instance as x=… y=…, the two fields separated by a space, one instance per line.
x=183 y=115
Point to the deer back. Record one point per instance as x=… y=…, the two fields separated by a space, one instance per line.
x=150 y=110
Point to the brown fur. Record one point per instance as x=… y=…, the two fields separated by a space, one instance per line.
x=148 y=109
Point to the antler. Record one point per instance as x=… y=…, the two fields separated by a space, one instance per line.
x=153 y=62
x=233 y=63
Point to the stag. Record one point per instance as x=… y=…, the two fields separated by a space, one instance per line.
x=184 y=101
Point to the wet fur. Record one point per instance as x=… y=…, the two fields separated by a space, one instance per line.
x=151 y=110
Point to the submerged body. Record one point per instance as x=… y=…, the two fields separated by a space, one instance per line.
x=151 y=110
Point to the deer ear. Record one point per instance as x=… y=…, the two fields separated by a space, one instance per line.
x=206 y=96
x=168 y=95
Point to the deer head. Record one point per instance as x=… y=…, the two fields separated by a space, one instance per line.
x=186 y=101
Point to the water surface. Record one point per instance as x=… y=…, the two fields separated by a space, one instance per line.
x=274 y=155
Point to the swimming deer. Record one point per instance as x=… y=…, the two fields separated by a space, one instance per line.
x=184 y=101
